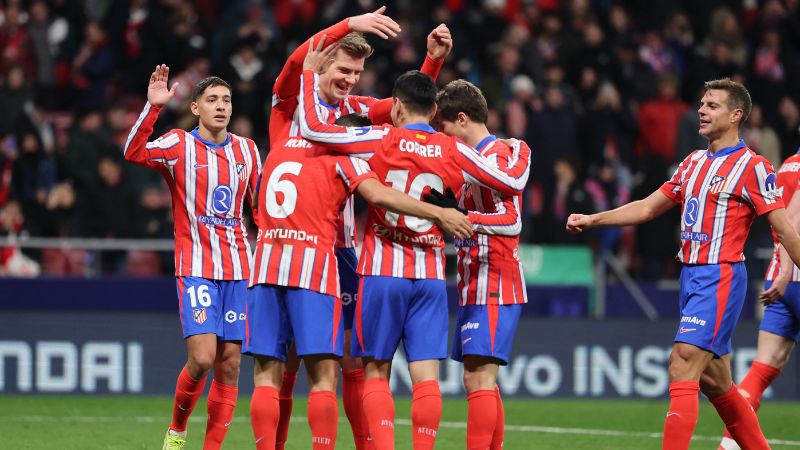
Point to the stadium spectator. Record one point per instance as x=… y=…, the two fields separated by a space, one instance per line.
x=658 y=122
x=16 y=47
x=789 y=125
x=15 y=92
x=47 y=33
x=762 y=138
x=88 y=141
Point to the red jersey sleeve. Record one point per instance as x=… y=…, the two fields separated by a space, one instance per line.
x=505 y=222
x=353 y=171
x=672 y=188
x=347 y=140
x=287 y=85
x=761 y=186
x=380 y=110
x=164 y=151
x=477 y=169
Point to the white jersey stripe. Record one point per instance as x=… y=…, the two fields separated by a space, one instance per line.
x=285 y=266
x=419 y=263
x=439 y=257
x=377 y=257
x=324 y=282
x=398 y=264
x=309 y=254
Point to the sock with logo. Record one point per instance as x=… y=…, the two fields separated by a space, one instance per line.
x=323 y=418
x=757 y=380
x=500 y=426
x=352 y=393
x=221 y=404
x=379 y=411
x=682 y=415
x=481 y=419
x=286 y=402
x=264 y=413
x=740 y=419
x=187 y=391
x=426 y=412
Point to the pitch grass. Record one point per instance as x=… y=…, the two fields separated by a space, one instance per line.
x=88 y=423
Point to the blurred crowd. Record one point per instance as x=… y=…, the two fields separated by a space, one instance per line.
x=604 y=91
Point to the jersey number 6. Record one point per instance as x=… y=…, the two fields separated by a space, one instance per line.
x=285 y=187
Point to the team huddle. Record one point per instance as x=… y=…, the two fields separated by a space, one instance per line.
x=427 y=165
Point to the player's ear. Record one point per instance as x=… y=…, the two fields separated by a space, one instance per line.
x=737 y=114
x=462 y=119
x=194 y=109
x=432 y=114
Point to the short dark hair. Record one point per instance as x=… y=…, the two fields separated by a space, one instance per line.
x=206 y=83
x=461 y=96
x=353 y=120
x=417 y=91
x=738 y=96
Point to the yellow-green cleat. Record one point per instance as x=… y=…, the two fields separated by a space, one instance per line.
x=174 y=440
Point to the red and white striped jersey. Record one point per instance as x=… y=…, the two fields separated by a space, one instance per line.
x=283 y=128
x=209 y=185
x=412 y=159
x=788 y=180
x=489 y=270
x=721 y=194
x=301 y=194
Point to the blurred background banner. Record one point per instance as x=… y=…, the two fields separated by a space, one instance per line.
x=135 y=353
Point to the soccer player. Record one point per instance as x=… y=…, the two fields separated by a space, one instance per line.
x=340 y=76
x=491 y=285
x=296 y=282
x=780 y=327
x=721 y=190
x=402 y=293
x=211 y=173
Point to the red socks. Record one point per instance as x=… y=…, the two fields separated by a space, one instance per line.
x=499 y=429
x=323 y=418
x=481 y=419
x=379 y=411
x=426 y=412
x=682 y=415
x=757 y=380
x=187 y=391
x=221 y=404
x=740 y=420
x=264 y=413
x=287 y=388
x=352 y=394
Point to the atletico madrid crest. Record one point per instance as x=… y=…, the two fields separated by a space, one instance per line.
x=199 y=315
x=240 y=170
x=716 y=184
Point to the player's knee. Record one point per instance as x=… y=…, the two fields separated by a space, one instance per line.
x=201 y=362
x=228 y=370
x=477 y=381
x=710 y=387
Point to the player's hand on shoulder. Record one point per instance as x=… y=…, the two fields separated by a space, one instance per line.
x=376 y=23
x=453 y=222
x=440 y=42
x=158 y=93
x=318 y=58
x=577 y=223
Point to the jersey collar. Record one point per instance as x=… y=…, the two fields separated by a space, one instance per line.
x=485 y=141
x=209 y=144
x=728 y=150
x=419 y=126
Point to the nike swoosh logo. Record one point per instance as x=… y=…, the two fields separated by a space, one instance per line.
x=227 y=424
x=465 y=341
x=260 y=439
x=200 y=166
x=182 y=408
x=672 y=414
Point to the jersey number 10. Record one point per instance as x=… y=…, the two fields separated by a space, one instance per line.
x=399 y=180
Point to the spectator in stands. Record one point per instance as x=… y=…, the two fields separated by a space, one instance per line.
x=87 y=143
x=16 y=48
x=789 y=126
x=520 y=107
x=689 y=139
x=32 y=179
x=762 y=138
x=47 y=35
x=554 y=135
x=92 y=68
x=67 y=213
x=658 y=122
x=14 y=263
x=570 y=195
x=725 y=29
x=15 y=92
x=607 y=129
x=496 y=81
x=248 y=76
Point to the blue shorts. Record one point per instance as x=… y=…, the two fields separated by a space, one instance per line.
x=711 y=300
x=348 y=278
x=212 y=307
x=783 y=317
x=277 y=315
x=485 y=330
x=390 y=309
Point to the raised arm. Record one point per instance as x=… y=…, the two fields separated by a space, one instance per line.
x=287 y=85
x=440 y=42
x=164 y=150
x=632 y=213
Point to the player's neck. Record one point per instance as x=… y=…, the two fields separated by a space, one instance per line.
x=724 y=141
x=475 y=133
x=408 y=120
x=215 y=136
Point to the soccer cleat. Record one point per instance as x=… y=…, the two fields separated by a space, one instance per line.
x=728 y=444
x=174 y=440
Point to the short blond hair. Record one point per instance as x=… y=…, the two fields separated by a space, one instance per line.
x=355 y=45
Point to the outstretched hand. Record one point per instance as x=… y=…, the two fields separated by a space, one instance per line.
x=446 y=200
x=376 y=23
x=440 y=42
x=577 y=223
x=158 y=94
x=317 y=58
